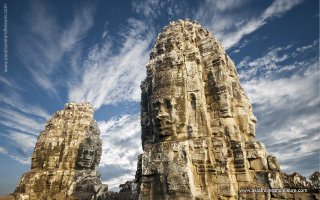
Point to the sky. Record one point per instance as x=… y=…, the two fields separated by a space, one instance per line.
x=53 y=52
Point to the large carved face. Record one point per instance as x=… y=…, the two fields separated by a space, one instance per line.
x=86 y=157
x=168 y=104
x=164 y=116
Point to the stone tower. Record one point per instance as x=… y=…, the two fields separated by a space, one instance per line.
x=65 y=159
x=198 y=128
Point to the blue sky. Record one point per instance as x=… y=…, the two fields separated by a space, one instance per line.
x=96 y=51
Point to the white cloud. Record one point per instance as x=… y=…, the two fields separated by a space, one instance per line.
x=158 y=8
x=278 y=92
x=121 y=140
x=3 y=150
x=224 y=5
x=82 y=22
x=279 y=7
x=19 y=159
x=12 y=119
x=229 y=20
x=146 y=8
x=24 y=161
x=222 y=18
x=110 y=77
x=47 y=42
x=20 y=132
x=15 y=102
x=266 y=64
x=21 y=124
x=24 y=142
x=287 y=109
x=315 y=43
x=121 y=147
x=10 y=83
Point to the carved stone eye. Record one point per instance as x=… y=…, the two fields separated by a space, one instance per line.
x=168 y=104
x=156 y=105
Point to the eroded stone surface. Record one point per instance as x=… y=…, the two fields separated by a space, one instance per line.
x=198 y=135
x=198 y=127
x=65 y=159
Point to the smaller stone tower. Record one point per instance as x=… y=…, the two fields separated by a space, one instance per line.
x=65 y=159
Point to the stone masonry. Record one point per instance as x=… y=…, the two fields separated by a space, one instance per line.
x=198 y=128
x=65 y=159
x=198 y=136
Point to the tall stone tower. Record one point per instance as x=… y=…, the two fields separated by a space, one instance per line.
x=65 y=159
x=198 y=128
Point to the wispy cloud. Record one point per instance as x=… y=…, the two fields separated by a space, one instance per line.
x=24 y=142
x=23 y=159
x=20 y=124
x=20 y=132
x=110 y=77
x=287 y=109
x=15 y=102
x=8 y=82
x=278 y=8
x=121 y=147
x=21 y=120
x=315 y=43
x=157 y=8
x=3 y=150
x=222 y=18
x=19 y=159
x=268 y=63
x=47 y=41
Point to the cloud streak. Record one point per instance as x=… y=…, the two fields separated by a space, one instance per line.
x=287 y=109
x=109 y=77
x=21 y=123
x=222 y=18
x=47 y=42
x=121 y=147
x=152 y=9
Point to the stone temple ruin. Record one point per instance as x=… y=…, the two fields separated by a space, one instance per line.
x=198 y=136
x=198 y=127
x=65 y=159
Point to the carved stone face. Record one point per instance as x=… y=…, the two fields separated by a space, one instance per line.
x=86 y=158
x=168 y=105
x=252 y=129
x=164 y=117
x=273 y=163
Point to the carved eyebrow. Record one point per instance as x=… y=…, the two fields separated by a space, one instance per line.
x=156 y=103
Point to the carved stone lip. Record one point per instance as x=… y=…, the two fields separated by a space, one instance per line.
x=87 y=161
x=166 y=132
x=165 y=127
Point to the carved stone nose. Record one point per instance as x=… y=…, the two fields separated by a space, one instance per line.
x=162 y=115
